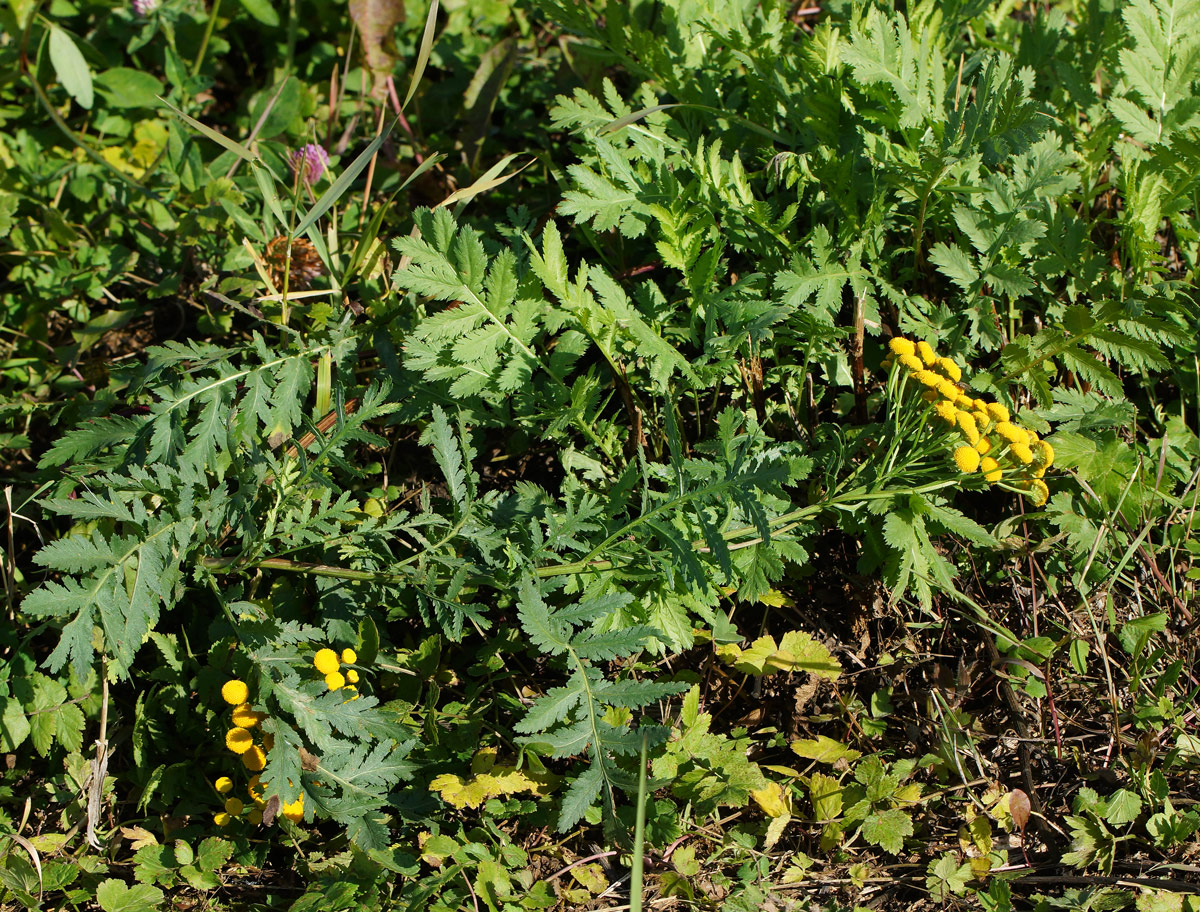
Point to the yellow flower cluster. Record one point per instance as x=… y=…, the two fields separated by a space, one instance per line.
x=993 y=444
x=240 y=740
x=329 y=664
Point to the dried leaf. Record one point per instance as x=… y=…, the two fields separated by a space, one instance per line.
x=1018 y=806
x=309 y=761
x=375 y=20
x=272 y=809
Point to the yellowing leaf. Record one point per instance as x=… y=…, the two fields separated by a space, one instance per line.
x=824 y=750
x=797 y=651
x=825 y=792
x=498 y=783
x=772 y=800
x=591 y=877
x=139 y=837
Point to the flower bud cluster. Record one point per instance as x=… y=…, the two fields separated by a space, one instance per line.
x=990 y=441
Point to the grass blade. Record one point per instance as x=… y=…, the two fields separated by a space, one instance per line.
x=423 y=53
x=219 y=138
x=342 y=184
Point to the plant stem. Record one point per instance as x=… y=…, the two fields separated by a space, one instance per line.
x=208 y=30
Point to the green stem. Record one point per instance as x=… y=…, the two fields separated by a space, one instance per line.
x=639 y=836
x=208 y=30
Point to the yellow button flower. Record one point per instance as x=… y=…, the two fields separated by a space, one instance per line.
x=268 y=741
x=352 y=676
x=982 y=419
x=335 y=680
x=238 y=740
x=997 y=411
x=926 y=353
x=1022 y=452
x=984 y=446
x=221 y=819
x=349 y=656
x=966 y=423
x=295 y=810
x=950 y=369
x=255 y=817
x=947 y=412
x=223 y=785
x=901 y=346
x=235 y=692
x=253 y=788
x=1039 y=492
x=991 y=469
x=254 y=759
x=967 y=459
x=326 y=661
x=245 y=717
x=912 y=362
x=928 y=378
x=1010 y=432
x=233 y=806
x=949 y=390
x=1043 y=455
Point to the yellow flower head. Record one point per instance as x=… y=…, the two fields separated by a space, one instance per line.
x=254 y=817
x=947 y=412
x=950 y=369
x=912 y=362
x=254 y=759
x=967 y=423
x=967 y=459
x=253 y=788
x=326 y=661
x=235 y=692
x=221 y=819
x=980 y=405
x=295 y=810
x=1022 y=452
x=1039 y=493
x=930 y=395
x=928 y=378
x=223 y=785
x=268 y=740
x=964 y=402
x=949 y=390
x=982 y=419
x=238 y=740
x=990 y=468
x=1043 y=455
x=984 y=446
x=349 y=656
x=245 y=717
x=901 y=346
x=352 y=676
x=1010 y=432
x=233 y=806
x=928 y=355
x=997 y=411
x=335 y=680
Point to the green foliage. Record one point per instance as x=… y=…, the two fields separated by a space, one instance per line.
x=562 y=396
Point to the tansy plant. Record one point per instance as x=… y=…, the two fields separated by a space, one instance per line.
x=337 y=752
x=990 y=447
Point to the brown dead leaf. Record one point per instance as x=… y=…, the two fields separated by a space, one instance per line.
x=1018 y=806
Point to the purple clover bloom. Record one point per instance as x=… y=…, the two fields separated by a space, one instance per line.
x=309 y=162
x=144 y=7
